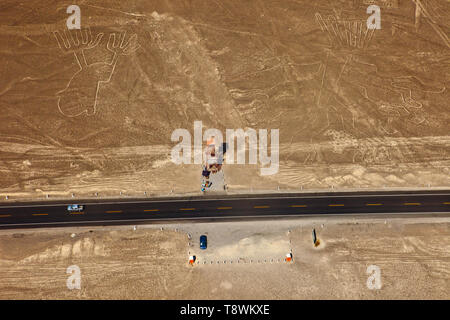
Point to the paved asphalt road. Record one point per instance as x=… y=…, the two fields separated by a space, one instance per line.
x=209 y=208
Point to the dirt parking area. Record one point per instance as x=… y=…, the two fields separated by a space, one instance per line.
x=412 y=255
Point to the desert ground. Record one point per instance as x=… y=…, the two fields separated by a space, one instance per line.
x=355 y=109
x=244 y=260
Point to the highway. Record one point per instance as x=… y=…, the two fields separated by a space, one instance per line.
x=214 y=208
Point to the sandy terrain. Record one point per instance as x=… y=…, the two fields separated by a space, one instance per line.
x=368 y=112
x=119 y=263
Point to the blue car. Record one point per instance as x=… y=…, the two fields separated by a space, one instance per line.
x=203 y=242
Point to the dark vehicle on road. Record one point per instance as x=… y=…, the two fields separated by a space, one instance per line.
x=203 y=242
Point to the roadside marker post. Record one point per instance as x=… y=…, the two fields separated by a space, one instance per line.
x=316 y=241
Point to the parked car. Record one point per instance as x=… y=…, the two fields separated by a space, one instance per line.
x=203 y=242
x=75 y=208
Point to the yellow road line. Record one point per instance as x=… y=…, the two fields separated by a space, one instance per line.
x=187 y=209
x=40 y=214
x=446 y=202
x=225 y=208
x=151 y=210
x=117 y=211
x=298 y=206
x=335 y=205
x=5 y=215
x=412 y=204
x=261 y=207
x=374 y=204
x=77 y=212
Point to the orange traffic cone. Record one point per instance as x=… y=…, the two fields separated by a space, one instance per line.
x=288 y=257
